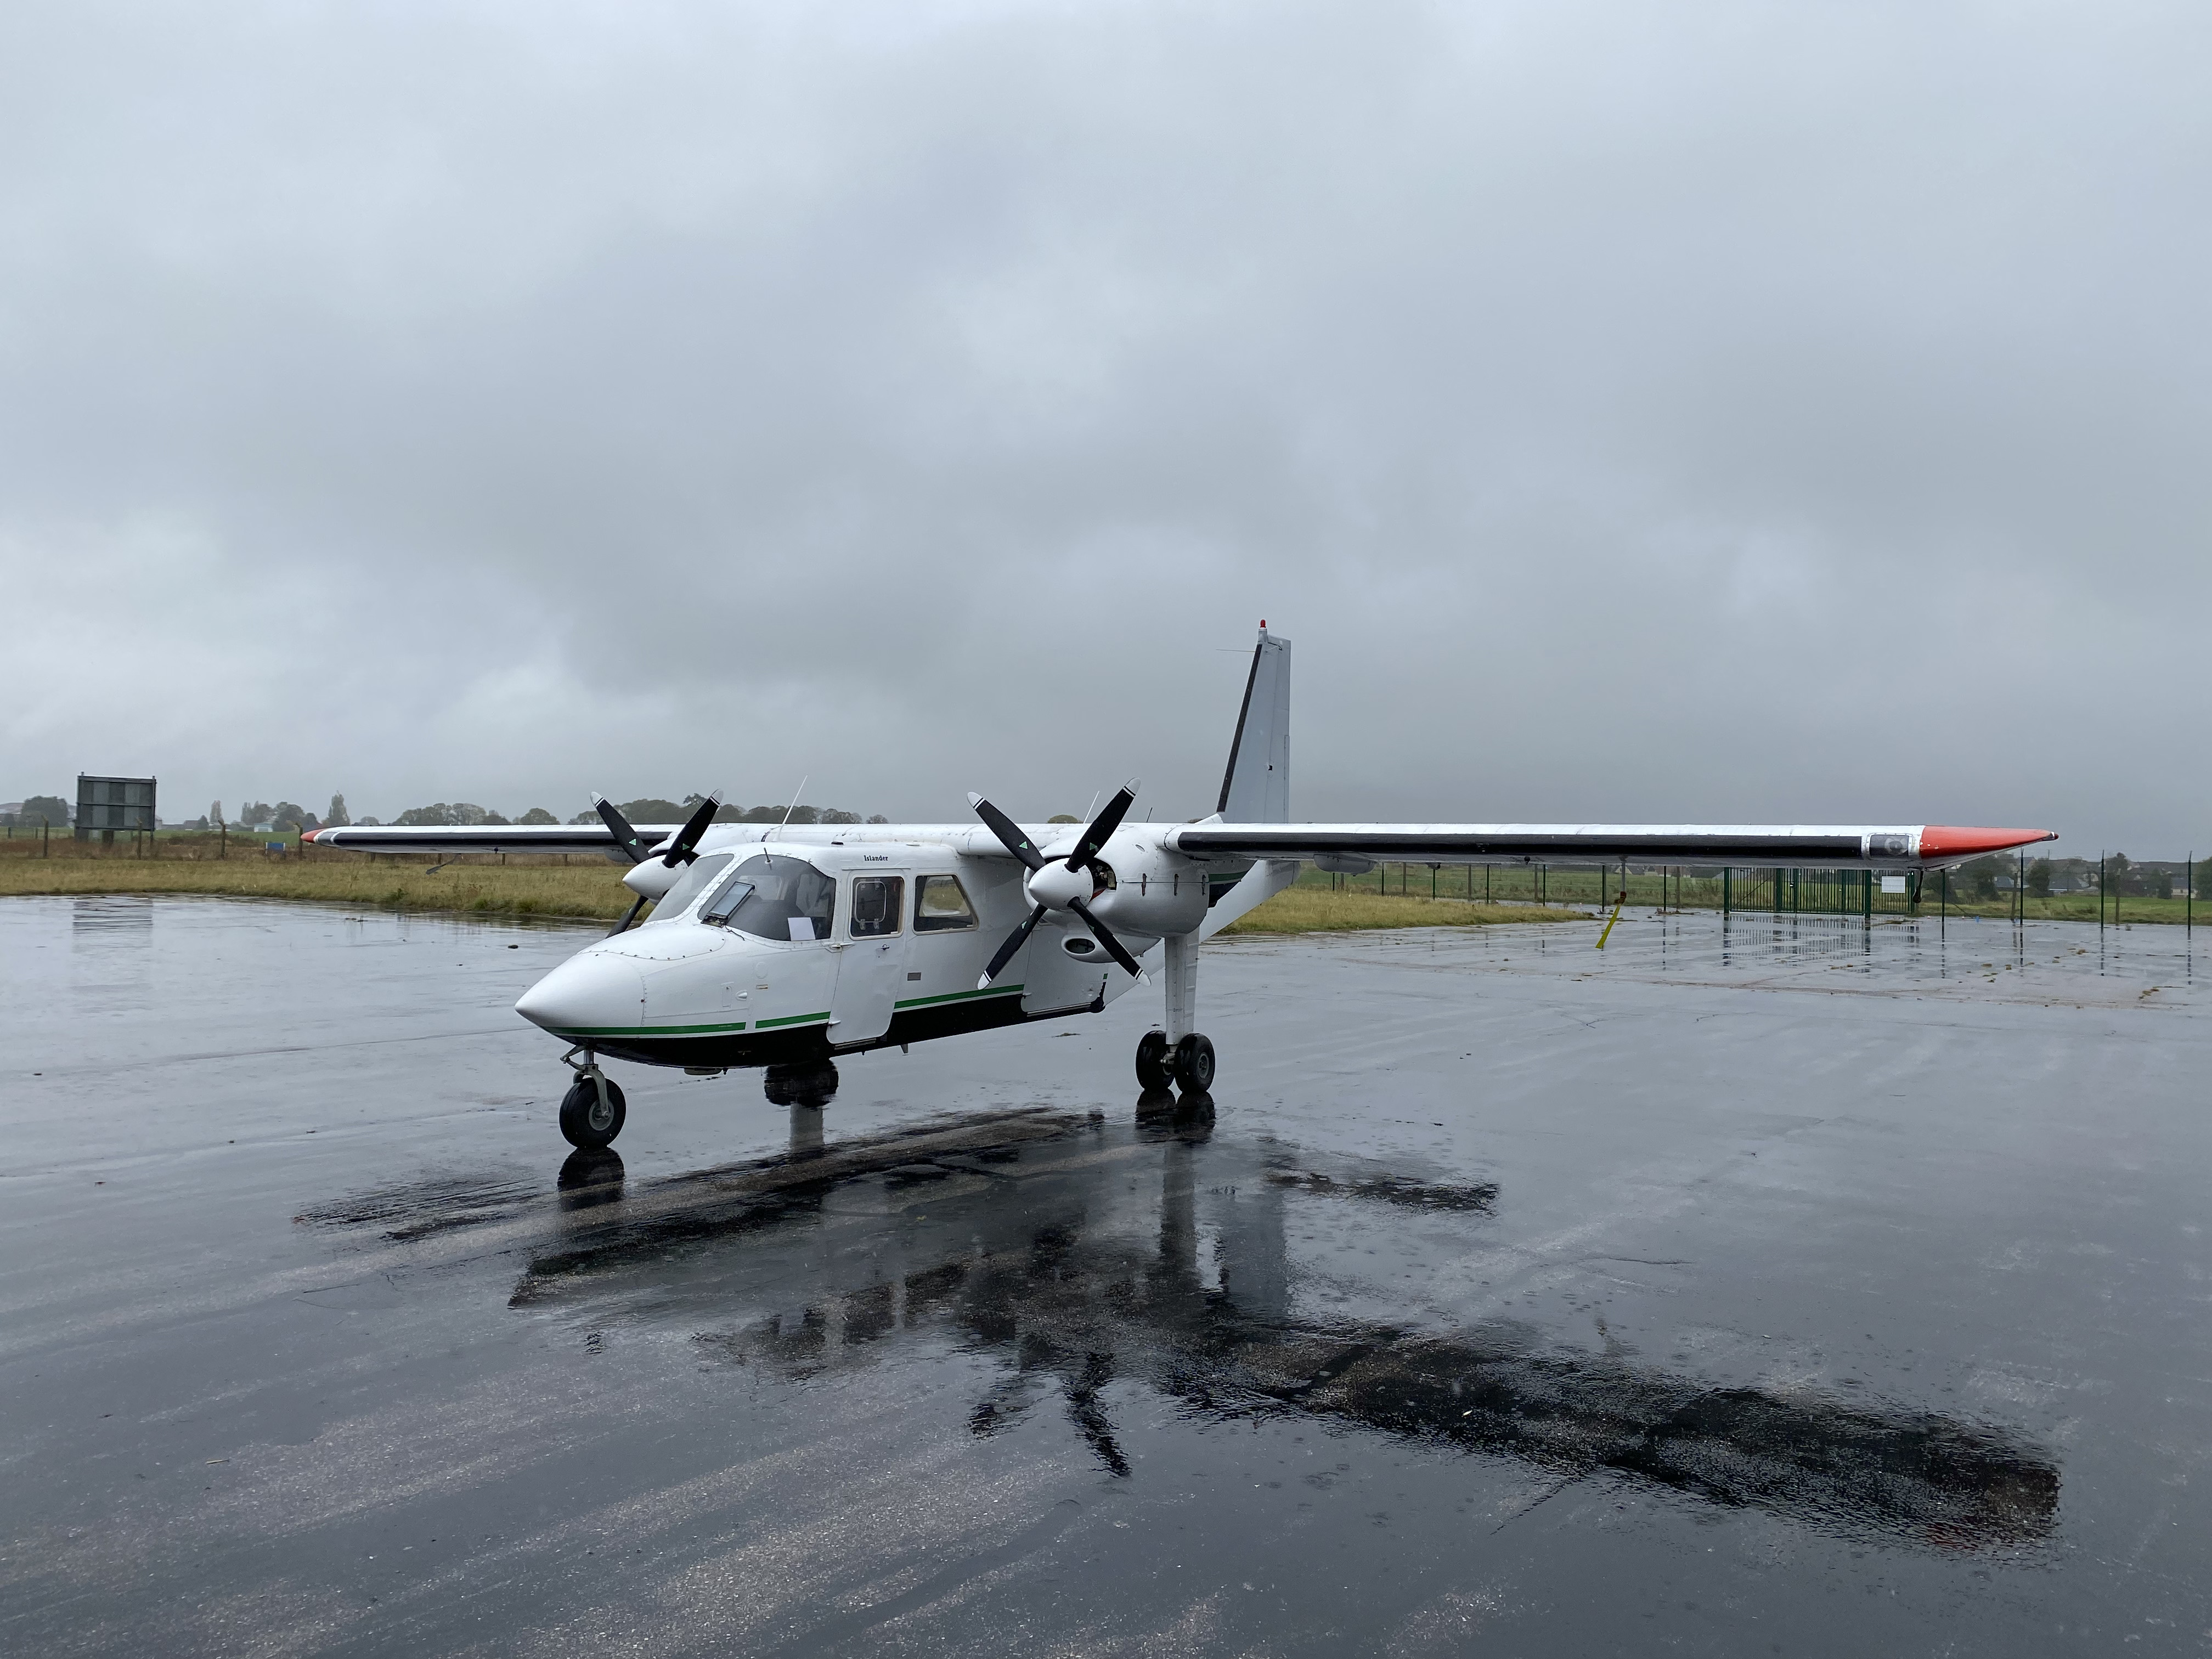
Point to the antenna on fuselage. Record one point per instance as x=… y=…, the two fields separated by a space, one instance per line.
x=793 y=807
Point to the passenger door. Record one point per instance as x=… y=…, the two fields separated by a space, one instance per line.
x=873 y=969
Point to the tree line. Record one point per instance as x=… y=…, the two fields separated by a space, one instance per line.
x=1984 y=878
x=285 y=817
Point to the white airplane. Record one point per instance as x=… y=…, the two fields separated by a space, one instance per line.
x=788 y=946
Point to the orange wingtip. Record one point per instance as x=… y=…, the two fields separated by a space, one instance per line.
x=1950 y=840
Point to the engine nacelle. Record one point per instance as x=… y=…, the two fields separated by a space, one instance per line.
x=1154 y=892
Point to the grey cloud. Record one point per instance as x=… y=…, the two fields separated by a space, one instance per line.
x=1720 y=410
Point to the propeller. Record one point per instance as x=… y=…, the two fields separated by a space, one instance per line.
x=1059 y=883
x=682 y=849
x=627 y=843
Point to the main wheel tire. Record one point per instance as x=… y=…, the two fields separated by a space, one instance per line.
x=1154 y=1069
x=588 y=1122
x=1193 y=1064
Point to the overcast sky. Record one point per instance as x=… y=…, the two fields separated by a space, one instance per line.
x=1766 y=411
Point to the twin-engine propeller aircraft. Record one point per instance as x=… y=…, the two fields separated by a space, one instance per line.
x=788 y=946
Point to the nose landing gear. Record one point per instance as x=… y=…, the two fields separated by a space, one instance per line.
x=592 y=1111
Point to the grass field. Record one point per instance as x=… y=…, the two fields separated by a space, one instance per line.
x=591 y=891
x=585 y=888
x=1310 y=910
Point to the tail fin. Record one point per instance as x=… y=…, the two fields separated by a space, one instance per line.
x=1256 y=787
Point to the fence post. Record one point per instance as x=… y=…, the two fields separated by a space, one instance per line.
x=1725 y=894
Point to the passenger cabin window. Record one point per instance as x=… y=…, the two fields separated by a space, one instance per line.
x=689 y=885
x=877 y=902
x=941 y=905
x=777 y=898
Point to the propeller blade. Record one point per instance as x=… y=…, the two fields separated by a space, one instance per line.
x=1102 y=827
x=1015 y=940
x=622 y=927
x=1106 y=938
x=1009 y=837
x=625 y=837
x=680 y=850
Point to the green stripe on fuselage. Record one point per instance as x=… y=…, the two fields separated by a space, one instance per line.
x=958 y=996
x=791 y=1019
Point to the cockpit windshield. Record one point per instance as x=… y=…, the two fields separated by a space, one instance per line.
x=772 y=897
x=689 y=885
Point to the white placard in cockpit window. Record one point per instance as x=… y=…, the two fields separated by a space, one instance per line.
x=802 y=927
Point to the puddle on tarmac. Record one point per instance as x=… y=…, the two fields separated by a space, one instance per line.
x=1075 y=1254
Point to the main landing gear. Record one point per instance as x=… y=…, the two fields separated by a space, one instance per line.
x=1188 y=1065
x=592 y=1110
x=1178 y=1055
x=810 y=1084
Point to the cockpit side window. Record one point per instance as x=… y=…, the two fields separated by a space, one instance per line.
x=689 y=885
x=776 y=898
x=941 y=905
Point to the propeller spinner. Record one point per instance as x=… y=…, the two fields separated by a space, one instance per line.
x=1059 y=883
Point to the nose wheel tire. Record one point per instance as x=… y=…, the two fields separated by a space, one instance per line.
x=588 y=1121
x=1193 y=1064
x=1155 y=1070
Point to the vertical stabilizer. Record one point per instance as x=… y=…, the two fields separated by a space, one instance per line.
x=1256 y=789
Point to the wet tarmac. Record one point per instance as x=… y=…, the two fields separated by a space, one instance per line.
x=1796 y=1287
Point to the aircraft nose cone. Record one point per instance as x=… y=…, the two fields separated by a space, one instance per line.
x=591 y=993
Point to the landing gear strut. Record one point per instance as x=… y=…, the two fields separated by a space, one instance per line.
x=1179 y=1054
x=592 y=1110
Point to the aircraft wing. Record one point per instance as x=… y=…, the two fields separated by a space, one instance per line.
x=1762 y=845
x=452 y=840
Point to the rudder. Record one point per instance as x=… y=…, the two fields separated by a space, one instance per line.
x=1256 y=787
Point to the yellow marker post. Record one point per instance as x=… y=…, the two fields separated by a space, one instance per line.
x=1617 y=903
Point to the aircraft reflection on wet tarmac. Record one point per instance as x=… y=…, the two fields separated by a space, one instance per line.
x=1032 y=1249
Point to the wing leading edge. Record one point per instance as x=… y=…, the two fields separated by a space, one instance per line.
x=1823 y=846
x=481 y=837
